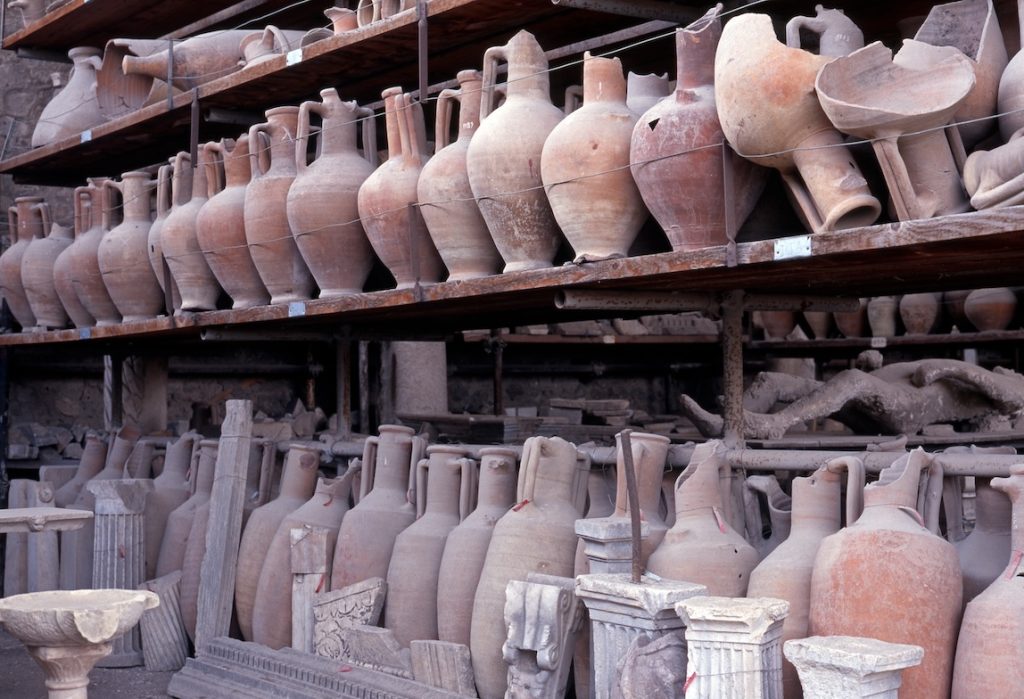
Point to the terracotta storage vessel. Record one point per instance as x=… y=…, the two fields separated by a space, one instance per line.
x=385 y=197
x=25 y=224
x=466 y=546
x=853 y=323
x=446 y=200
x=882 y=312
x=123 y=254
x=170 y=491
x=298 y=481
x=181 y=520
x=86 y=278
x=173 y=188
x=504 y=156
x=195 y=546
x=62 y=268
x=888 y=577
x=220 y=225
x=367 y=534
x=94 y=456
x=953 y=302
x=645 y=91
x=984 y=552
x=920 y=312
x=991 y=309
x=322 y=201
x=267 y=231
x=37 y=264
x=74 y=109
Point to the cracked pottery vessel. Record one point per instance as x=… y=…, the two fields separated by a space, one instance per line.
x=322 y=201
x=63 y=264
x=123 y=253
x=774 y=119
x=26 y=223
x=503 y=160
x=645 y=91
x=37 y=275
x=836 y=33
x=271 y=243
x=585 y=167
x=385 y=198
x=991 y=309
x=446 y=199
x=170 y=185
x=889 y=576
x=74 y=109
x=86 y=277
x=220 y=225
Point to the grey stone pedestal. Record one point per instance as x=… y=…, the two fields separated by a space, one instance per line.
x=848 y=667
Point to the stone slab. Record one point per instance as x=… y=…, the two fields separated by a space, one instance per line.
x=37 y=519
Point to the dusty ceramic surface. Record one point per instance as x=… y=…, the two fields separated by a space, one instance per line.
x=74 y=108
x=173 y=188
x=181 y=520
x=991 y=309
x=263 y=45
x=983 y=553
x=446 y=200
x=836 y=33
x=86 y=277
x=920 y=312
x=94 y=455
x=62 y=272
x=37 y=275
x=853 y=323
x=322 y=201
x=170 y=491
x=26 y=219
x=503 y=157
x=645 y=91
x=29 y=11
x=993 y=178
x=882 y=311
x=777 y=507
x=195 y=544
x=953 y=303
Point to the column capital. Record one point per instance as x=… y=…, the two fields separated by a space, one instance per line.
x=850 y=667
x=125 y=496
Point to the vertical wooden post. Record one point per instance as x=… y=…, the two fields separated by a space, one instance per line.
x=112 y=392
x=364 y=387
x=343 y=367
x=386 y=394
x=145 y=393
x=309 y=576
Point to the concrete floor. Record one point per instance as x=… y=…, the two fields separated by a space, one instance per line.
x=21 y=678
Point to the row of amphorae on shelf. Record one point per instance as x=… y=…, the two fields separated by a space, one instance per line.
x=448 y=533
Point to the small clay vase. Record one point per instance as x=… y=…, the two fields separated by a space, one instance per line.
x=179 y=237
x=466 y=546
x=267 y=231
x=445 y=486
x=585 y=167
x=181 y=519
x=195 y=546
x=991 y=309
x=94 y=456
x=322 y=201
x=882 y=311
x=953 y=302
x=123 y=254
x=86 y=277
x=446 y=200
x=63 y=264
x=37 y=273
x=920 y=312
x=983 y=553
x=173 y=188
x=777 y=324
x=818 y=322
x=220 y=224
x=25 y=224
x=170 y=491
x=645 y=91
x=385 y=197
x=504 y=156
x=853 y=323
x=74 y=109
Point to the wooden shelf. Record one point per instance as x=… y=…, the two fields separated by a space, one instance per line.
x=952 y=252
x=554 y=339
x=861 y=343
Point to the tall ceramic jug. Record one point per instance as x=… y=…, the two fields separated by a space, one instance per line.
x=504 y=156
x=195 y=545
x=984 y=552
x=267 y=231
x=123 y=253
x=37 y=272
x=466 y=545
x=322 y=202
x=179 y=237
x=181 y=520
x=94 y=455
x=220 y=225
x=645 y=91
x=888 y=577
x=445 y=484
x=786 y=572
x=297 y=484
x=25 y=224
x=367 y=535
x=173 y=188
x=86 y=277
x=272 y=608
x=74 y=109
x=990 y=649
x=385 y=197
x=585 y=167
x=446 y=199
x=786 y=128
x=64 y=264
x=701 y=547
x=676 y=153
x=170 y=491
x=536 y=536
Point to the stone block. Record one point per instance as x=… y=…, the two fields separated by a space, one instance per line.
x=848 y=667
x=444 y=665
x=360 y=604
x=164 y=642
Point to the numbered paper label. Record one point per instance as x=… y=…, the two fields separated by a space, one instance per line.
x=795 y=246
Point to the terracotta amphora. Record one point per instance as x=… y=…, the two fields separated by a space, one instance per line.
x=173 y=188
x=983 y=553
x=818 y=322
x=466 y=545
x=786 y=128
x=179 y=239
x=86 y=277
x=536 y=536
x=123 y=253
x=445 y=488
x=786 y=572
x=853 y=323
x=322 y=202
x=776 y=324
x=170 y=491
x=645 y=91
x=676 y=150
x=30 y=10
x=990 y=649
x=220 y=224
x=94 y=456
x=262 y=45
x=367 y=535
x=585 y=167
x=887 y=576
x=182 y=518
x=25 y=224
x=777 y=506
x=991 y=309
x=920 y=312
x=385 y=197
x=271 y=244
x=195 y=545
x=836 y=33
x=74 y=109
x=446 y=199
x=272 y=608
x=882 y=313
x=37 y=264
x=702 y=547
x=504 y=156
x=953 y=302
x=64 y=263
x=298 y=481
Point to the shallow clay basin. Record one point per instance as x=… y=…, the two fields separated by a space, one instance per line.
x=73 y=617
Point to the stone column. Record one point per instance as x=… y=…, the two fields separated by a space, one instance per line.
x=848 y=667
x=164 y=641
x=119 y=552
x=734 y=647
x=621 y=612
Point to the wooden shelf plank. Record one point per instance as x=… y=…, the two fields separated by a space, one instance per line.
x=966 y=339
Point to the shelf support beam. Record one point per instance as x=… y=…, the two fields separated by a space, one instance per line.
x=732 y=369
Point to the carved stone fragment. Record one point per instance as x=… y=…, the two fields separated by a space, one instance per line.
x=355 y=605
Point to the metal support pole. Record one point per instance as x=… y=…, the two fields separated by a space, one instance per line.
x=732 y=368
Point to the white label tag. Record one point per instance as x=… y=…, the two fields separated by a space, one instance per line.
x=794 y=246
x=878 y=343
x=292 y=57
x=85 y=136
x=84 y=333
x=296 y=309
